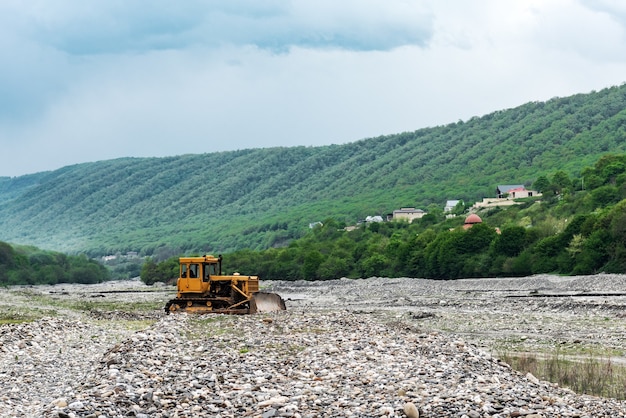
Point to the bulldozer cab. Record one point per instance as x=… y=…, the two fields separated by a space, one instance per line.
x=200 y=267
x=195 y=273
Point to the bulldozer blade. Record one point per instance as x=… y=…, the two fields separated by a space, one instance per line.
x=266 y=302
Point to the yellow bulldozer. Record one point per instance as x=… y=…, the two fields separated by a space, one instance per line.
x=202 y=288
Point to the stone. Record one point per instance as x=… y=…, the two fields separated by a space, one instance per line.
x=60 y=402
x=410 y=410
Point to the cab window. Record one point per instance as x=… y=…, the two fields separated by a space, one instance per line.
x=193 y=270
x=209 y=270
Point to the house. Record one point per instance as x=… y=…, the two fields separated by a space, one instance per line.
x=408 y=213
x=506 y=195
x=450 y=205
x=515 y=191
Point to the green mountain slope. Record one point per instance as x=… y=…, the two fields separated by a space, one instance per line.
x=260 y=198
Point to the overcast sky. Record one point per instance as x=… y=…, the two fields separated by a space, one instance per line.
x=90 y=80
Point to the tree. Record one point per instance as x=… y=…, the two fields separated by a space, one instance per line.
x=148 y=273
x=333 y=268
x=545 y=254
x=605 y=195
x=312 y=262
x=164 y=271
x=7 y=254
x=542 y=184
x=435 y=210
x=611 y=171
x=459 y=208
x=511 y=241
x=477 y=239
x=428 y=219
x=561 y=182
x=89 y=274
x=374 y=265
x=593 y=254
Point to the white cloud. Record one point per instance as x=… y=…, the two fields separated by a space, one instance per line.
x=116 y=26
x=98 y=80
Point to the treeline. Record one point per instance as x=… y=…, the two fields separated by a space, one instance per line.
x=20 y=265
x=578 y=226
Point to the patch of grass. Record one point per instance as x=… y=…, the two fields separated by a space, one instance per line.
x=98 y=304
x=593 y=373
x=5 y=321
x=80 y=303
x=549 y=345
x=14 y=316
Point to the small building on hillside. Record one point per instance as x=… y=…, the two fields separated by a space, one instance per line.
x=474 y=219
x=408 y=214
x=450 y=205
x=514 y=191
x=471 y=220
x=506 y=195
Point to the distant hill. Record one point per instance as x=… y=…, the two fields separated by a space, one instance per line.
x=259 y=198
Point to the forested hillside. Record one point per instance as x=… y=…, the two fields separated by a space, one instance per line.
x=262 y=198
x=567 y=230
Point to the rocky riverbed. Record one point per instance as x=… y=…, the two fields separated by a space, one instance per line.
x=344 y=348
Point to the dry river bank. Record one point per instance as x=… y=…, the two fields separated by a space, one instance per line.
x=344 y=348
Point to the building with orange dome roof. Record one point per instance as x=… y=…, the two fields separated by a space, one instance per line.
x=471 y=220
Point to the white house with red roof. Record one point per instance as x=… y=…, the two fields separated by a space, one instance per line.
x=514 y=191
x=506 y=195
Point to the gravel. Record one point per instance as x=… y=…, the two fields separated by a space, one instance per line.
x=344 y=348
